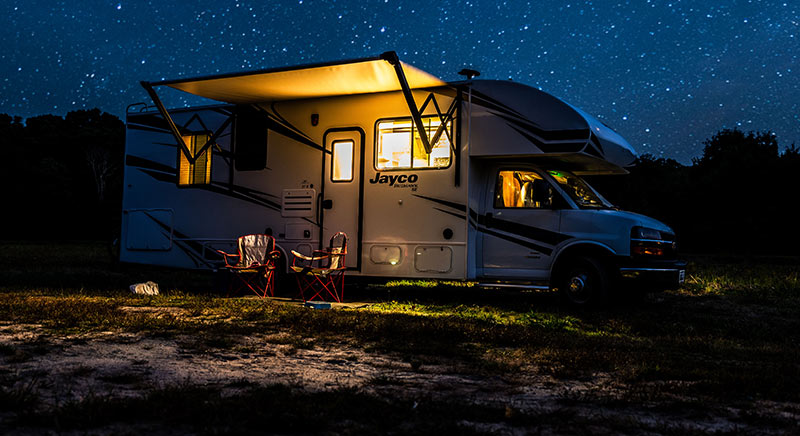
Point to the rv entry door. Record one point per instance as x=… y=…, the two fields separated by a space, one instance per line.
x=342 y=203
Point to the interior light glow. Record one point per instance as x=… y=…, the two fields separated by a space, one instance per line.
x=342 y=170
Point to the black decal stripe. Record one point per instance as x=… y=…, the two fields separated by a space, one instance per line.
x=597 y=143
x=594 y=147
x=161 y=177
x=140 y=162
x=223 y=190
x=451 y=213
x=196 y=117
x=279 y=125
x=249 y=191
x=490 y=103
x=154 y=122
x=522 y=230
x=286 y=122
x=191 y=248
x=531 y=245
x=454 y=205
x=165 y=173
x=222 y=110
x=526 y=231
x=513 y=117
x=133 y=126
x=559 y=147
x=549 y=135
x=189 y=253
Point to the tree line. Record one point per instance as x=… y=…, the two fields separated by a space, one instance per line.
x=739 y=197
x=63 y=175
x=63 y=179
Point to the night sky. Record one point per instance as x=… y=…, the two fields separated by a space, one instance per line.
x=665 y=74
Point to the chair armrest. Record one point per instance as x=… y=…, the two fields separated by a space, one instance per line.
x=308 y=261
x=225 y=257
x=301 y=256
x=314 y=256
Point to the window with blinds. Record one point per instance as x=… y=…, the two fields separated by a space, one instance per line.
x=199 y=172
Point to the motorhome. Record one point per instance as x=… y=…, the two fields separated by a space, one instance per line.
x=475 y=180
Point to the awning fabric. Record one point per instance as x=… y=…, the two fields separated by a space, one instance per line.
x=360 y=76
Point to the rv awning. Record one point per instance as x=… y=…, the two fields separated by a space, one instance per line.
x=359 y=76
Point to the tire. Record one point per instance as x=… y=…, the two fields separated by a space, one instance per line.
x=584 y=282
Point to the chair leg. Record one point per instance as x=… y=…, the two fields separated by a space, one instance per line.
x=317 y=286
x=341 y=286
x=268 y=284
x=236 y=284
x=301 y=286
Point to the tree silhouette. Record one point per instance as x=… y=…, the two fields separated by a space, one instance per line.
x=732 y=199
x=65 y=173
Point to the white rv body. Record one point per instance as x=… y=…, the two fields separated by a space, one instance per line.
x=440 y=222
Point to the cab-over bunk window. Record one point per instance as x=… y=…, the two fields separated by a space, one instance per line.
x=399 y=145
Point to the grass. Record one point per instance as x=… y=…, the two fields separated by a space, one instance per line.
x=728 y=336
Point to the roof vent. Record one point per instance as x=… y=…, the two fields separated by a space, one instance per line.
x=469 y=73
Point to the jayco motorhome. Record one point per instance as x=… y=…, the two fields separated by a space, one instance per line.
x=469 y=180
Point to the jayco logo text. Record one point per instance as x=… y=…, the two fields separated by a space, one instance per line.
x=396 y=180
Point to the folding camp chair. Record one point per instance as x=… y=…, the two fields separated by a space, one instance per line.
x=253 y=266
x=322 y=274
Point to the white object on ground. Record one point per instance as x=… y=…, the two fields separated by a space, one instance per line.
x=146 y=288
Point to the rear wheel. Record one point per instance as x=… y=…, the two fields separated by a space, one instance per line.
x=584 y=282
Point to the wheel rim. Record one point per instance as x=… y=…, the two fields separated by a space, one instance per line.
x=579 y=287
x=576 y=285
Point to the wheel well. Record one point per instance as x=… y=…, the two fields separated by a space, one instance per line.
x=564 y=258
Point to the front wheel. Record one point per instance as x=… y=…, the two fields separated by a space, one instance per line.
x=584 y=282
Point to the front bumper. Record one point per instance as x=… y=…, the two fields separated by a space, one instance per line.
x=653 y=274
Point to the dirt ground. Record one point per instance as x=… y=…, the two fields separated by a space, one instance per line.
x=71 y=367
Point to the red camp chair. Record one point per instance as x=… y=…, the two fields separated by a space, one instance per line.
x=322 y=274
x=254 y=266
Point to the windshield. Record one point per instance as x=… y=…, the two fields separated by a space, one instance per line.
x=579 y=190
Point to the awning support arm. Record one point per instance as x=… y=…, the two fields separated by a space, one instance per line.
x=171 y=124
x=443 y=119
x=394 y=60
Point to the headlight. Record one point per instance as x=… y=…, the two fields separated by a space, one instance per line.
x=646 y=242
x=645 y=233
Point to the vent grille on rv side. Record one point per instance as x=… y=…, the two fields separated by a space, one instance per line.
x=298 y=202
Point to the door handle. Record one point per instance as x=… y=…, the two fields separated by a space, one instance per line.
x=327 y=204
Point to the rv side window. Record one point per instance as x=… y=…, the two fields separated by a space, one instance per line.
x=199 y=172
x=342 y=161
x=250 y=137
x=399 y=145
x=522 y=189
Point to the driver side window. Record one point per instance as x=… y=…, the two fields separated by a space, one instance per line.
x=522 y=189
